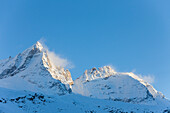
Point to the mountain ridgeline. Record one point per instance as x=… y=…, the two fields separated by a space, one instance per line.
x=32 y=79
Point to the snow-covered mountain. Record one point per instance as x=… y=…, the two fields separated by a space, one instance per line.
x=32 y=70
x=106 y=83
x=31 y=82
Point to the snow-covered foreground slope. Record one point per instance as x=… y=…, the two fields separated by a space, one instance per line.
x=105 y=83
x=12 y=101
x=32 y=70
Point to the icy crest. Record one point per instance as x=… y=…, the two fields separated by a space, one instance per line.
x=95 y=73
x=38 y=45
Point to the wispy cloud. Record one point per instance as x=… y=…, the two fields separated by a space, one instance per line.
x=149 y=78
x=56 y=59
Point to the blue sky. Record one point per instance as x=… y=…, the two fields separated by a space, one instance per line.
x=131 y=35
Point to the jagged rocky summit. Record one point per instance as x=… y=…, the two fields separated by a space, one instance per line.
x=32 y=70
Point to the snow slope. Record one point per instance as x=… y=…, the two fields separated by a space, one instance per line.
x=33 y=71
x=12 y=101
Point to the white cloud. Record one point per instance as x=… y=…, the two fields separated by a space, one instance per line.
x=56 y=59
x=149 y=78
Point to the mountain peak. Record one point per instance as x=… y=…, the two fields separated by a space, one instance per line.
x=95 y=73
x=35 y=68
x=38 y=46
x=106 y=83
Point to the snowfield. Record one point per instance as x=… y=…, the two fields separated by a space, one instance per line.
x=31 y=83
x=30 y=102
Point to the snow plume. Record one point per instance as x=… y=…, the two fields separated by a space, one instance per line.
x=113 y=67
x=149 y=78
x=56 y=59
